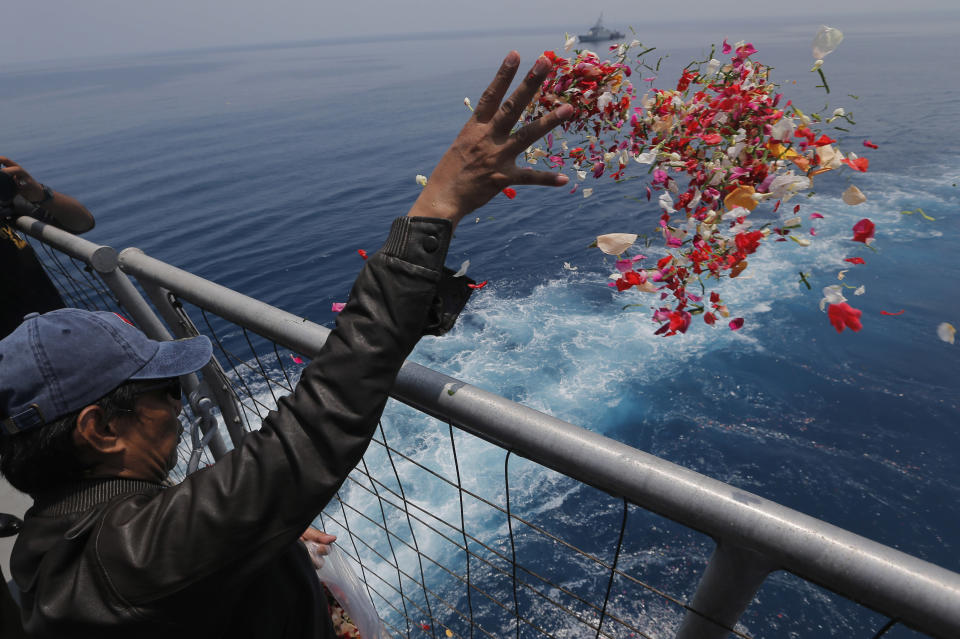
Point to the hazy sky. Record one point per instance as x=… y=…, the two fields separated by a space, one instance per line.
x=51 y=29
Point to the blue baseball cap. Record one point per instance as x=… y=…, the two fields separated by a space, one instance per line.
x=61 y=361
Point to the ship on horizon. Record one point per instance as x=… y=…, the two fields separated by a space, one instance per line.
x=599 y=33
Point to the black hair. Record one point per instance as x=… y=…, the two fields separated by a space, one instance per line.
x=44 y=457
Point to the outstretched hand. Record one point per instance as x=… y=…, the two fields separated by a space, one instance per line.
x=481 y=162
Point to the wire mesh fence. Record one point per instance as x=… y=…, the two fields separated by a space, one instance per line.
x=453 y=536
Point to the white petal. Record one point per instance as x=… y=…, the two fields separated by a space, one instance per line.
x=587 y=193
x=666 y=202
x=463 y=269
x=647 y=157
x=860 y=290
x=826 y=41
x=854 y=196
x=566 y=266
x=571 y=40
x=421 y=180
x=615 y=243
x=946 y=332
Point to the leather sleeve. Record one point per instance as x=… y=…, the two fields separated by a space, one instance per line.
x=239 y=513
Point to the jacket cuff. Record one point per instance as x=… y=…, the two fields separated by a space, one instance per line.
x=419 y=240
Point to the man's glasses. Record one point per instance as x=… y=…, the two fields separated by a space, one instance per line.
x=170 y=387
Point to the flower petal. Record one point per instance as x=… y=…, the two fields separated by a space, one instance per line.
x=854 y=196
x=615 y=243
x=946 y=332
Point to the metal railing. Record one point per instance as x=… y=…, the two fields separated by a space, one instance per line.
x=431 y=574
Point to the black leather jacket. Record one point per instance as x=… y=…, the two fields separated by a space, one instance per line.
x=217 y=555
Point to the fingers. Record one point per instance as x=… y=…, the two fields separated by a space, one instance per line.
x=538 y=178
x=512 y=108
x=490 y=100
x=532 y=132
x=318 y=536
x=4 y=161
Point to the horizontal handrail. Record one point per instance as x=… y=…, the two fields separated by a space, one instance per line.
x=918 y=593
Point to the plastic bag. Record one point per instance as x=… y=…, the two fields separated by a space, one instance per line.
x=337 y=575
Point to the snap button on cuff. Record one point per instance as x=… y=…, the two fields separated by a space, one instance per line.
x=431 y=243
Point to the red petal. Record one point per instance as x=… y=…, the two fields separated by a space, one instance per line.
x=870 y=145
x=900 y=312
x=736 y=324
x=362 y=253
x=855 y=260
x=480 y=285
x=510 y=193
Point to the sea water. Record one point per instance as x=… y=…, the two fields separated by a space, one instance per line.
x=265 y=168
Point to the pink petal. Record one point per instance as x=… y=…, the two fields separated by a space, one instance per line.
x=336 y=307
x=296 y=360
x=736 y=324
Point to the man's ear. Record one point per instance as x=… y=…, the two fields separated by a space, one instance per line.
x=94 y=435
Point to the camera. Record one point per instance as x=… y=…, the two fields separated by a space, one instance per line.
x=8 y=189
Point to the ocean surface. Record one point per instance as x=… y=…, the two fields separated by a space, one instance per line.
x=266 y=168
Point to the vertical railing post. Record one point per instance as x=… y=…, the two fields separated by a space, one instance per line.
x=213 y=373
x=726 y=588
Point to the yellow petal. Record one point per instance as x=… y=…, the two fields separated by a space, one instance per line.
x=740 y=196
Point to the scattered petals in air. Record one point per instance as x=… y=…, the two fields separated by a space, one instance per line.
x=946 y=332
x=855 y=260
x=336 y=307
x=832 y=295
x=510 y=193
x=478 y=286
x=717 y=153
x=853 y=196
x=863 y=231
x=826 y=41
x=568 y=267
x=568 y=44
x=615 y=243
x=859 y=164
x=421 y=180
x=844 y=316
x=463 y=269
x=466 y=103
x=362 y=253
x=900 y=312
x=860 y=290
x=736 y=324
x=296 y=359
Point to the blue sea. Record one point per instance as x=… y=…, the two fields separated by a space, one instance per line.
x=265 y=169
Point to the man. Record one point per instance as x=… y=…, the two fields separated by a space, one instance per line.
x=90 y=412
x=24 y=285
